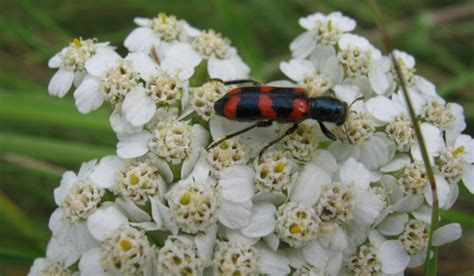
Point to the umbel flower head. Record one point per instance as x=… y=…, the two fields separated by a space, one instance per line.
x=309 y=206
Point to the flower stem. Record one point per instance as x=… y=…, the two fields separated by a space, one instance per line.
x=430 y=263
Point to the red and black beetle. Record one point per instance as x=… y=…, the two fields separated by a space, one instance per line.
x=266 y=104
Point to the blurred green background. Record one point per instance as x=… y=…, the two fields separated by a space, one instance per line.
x=41 y=136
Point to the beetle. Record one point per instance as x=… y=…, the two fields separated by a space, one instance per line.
x=265 y=104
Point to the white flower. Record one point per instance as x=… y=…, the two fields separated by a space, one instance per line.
x=307 y=206
x=388 y=257
x=362 y=141
x=361 y=60
x=122 y=249
x=139 y=181
x=232 y=258
x=406 y=64
x=77 y=197
x=241 y=148
x=456 y=161
x=162 y=90
x=159 y=31
x=198 y=202
x=58 y=260
x=193 y=206
x=72 y=62
x=303 y=143
x=111 y=78
x=205 y=96
x=223 y=62
x=321 y=30
x=177 y=256
x=46 y=266
x=414 y=233
x=169 y=142
x=318 y=75
x=296 y=224
x=273 y=174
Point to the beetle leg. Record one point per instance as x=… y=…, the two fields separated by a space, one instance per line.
x=253 y=82
x=327 y=132
x=257 y=124
x=287 y=132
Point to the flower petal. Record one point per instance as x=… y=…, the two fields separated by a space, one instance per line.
x=272 y=241
x=155 y=211
x=205 y=243
x=354 y=172
x=237 y=183
x=393 y=256
x=132 y=211
x=321 y=55
x=375 y=152
x=104 y=221
x=378 y=80
x=296 y=69
x=119 y=123
x=138 y=107
x=104 y=174
x=316 y=254
x=163 y=168
x=393 y=224
x=55 y=61
x=446 y=234
x=333 y=70
x=182 y=57
x=468 y=178
x=61 y=82
x=132 y=145
x=308 y=186
x=261 y=220
x=227 y=69
x=273 y=263
x=302 y=45
x=141 y=39
x=382 y=108
x=168 y=222
x=67 y=181
x=367 y=207
x=237 y=236
x=104 y=59
x=325 y=160
x=88 y=96
x=234 y=215
x=397 y=163
x=143 y=64
x=90 y=263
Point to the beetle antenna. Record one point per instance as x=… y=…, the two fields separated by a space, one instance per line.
x=347 y=135
x=361 y=98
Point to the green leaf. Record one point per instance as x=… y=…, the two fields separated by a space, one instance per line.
x=58 y=151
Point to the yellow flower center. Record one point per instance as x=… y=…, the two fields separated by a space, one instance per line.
x=126 y=244
x=330 y=25
x=77 y=42
x=134 y=179
x=458 y=151
x=295 y=228
x=185 y=198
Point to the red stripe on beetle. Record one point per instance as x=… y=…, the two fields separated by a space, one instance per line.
x=234 y=91
x=300 y=90
x=265 y=88
x=265 y=105
x=300 y=108
x=230 y=108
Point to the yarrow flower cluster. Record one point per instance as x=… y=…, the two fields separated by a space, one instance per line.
x=309 y=206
